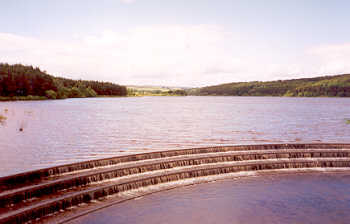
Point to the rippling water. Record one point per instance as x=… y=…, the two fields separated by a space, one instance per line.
x=295 y=198
x=65 y=131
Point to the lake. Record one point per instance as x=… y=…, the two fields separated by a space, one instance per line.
x=65 y=131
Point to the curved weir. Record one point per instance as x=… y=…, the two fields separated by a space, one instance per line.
x=35 y=194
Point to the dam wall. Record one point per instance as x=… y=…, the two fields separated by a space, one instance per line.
x=32 y=195
x=21 y=178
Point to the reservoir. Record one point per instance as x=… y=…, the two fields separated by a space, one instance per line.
x=38 y=134
x=295 y=198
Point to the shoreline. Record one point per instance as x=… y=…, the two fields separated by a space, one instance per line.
x=42 y=98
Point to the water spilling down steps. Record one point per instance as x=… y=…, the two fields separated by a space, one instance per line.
x=31 y=195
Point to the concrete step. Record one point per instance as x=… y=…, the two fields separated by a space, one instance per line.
x=22 y=179
x=59 y=183
x=59 y=201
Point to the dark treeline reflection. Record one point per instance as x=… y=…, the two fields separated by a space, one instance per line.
x=26 y=81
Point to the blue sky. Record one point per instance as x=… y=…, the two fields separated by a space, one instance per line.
x=177 y=42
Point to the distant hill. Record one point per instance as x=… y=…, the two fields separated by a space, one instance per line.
x=134 y=90
x=338 y=85
x=26 y=82
x=152 y=87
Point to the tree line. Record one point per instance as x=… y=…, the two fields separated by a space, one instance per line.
x=19 y=80
x=338 y=85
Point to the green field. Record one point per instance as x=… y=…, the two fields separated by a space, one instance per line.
x=155 y=91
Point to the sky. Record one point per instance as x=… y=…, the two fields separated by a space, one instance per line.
x=188 y=43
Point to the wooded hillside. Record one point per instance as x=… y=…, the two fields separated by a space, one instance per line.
x=338 y=85
x=20 y=80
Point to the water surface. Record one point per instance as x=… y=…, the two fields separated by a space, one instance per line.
x=288 y=199
x=65 y=131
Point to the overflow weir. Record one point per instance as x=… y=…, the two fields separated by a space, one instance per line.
x=41 y=193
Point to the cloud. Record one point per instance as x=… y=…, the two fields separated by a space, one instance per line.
x=127 y=1
x=175 y=55
x=331 y=59
x=178 y=54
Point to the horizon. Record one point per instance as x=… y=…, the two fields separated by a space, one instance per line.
x=188 y=87
x=182 y=43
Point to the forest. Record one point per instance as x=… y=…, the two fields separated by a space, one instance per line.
x=327 y=86
x=20 y=82
x=26 y=82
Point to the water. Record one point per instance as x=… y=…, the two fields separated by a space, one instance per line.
x=296 y=198
x=66 y=131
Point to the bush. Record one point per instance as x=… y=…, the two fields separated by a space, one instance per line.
x=90 y=92
x=50 y=94
x=74 y=93
x=2 y=119
x=63 y=93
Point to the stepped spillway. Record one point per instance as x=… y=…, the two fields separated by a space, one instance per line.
x=36 y=194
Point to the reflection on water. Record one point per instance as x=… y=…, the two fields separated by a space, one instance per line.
x=296 y=198
x=64 y=131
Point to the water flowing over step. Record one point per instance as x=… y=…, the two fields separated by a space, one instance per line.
x=54 y=184
x=58 y=188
